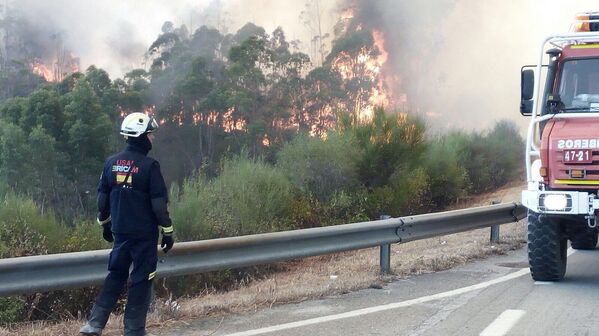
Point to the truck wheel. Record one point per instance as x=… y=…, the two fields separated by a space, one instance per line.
x=584 y=238
x=547 y=248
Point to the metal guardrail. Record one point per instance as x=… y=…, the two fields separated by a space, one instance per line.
x=70 y=270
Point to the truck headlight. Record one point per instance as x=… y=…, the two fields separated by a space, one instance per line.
x=554 y=201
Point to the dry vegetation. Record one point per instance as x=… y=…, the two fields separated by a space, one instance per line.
x=321 y=276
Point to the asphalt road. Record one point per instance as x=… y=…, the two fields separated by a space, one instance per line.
x=496 y=296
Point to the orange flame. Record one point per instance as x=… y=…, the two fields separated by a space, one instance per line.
x=42 y=70
x=63 y=65
x=366 y=66
x=347 y=14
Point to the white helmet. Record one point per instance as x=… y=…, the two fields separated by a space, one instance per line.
x=137 y=123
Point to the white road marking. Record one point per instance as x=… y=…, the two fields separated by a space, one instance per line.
x=390 y=306
x=503 y=323
x=381 y=308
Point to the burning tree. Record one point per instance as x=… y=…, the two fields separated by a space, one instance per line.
x=358 y=55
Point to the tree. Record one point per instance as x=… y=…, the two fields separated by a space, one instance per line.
x=389 y=142
x=43 y=109
x=44 y=161
x=14 y=156
x=87 y=129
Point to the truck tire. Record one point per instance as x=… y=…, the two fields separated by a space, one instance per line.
x=547 y=248
x=584 y=238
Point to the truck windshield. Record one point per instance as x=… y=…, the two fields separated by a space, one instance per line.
x=579 y=85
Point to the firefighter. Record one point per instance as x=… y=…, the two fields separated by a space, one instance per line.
x=132 y=209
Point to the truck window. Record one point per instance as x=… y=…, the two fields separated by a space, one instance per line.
x=579 y=85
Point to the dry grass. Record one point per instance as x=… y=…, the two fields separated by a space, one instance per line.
x=321 y=276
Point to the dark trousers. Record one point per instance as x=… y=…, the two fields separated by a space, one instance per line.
x=143 y=255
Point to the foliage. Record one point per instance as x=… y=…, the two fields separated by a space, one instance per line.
x=448 y=179
x=321 y=168
x=490 y=159
x=11 y=310
x=388 y=142
x=24 y=230
x=249 y=196
x=58 y=140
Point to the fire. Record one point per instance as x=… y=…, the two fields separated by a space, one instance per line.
x=42 y=70
x=230 y=124
x=347 y=14
x=366 y=66
x=226 y=120
x=64 y=65
x=363 y=69
x=265 y=141
x=379 y=43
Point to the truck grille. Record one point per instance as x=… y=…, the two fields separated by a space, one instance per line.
x=561 y=171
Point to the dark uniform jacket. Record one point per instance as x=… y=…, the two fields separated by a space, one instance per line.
x=132 y=191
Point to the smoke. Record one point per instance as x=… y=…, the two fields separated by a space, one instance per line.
x=458 y=61
x=115 y=34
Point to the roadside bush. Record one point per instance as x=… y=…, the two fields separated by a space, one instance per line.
x=448 y=179
x=411 y=192
x=505 y=146
x=24 y=230
x=472 y=154
x=11 y=310
x=85 y=236
x=320 y=168
x=388 y=141
x=247 y=197
x=407 y=193
x=347 y=208
x=491 y=160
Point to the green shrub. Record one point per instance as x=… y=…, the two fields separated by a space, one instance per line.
x=388 y=141
x=320 y=168
x=11 y=310
x=347 y=208
x=85 y=236
x=411 y=192
x=505 y=146
x=247 y=197
x=24 y=230
x=490 y=160
x=448 y=179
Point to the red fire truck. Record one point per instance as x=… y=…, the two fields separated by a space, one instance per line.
x=561 y=95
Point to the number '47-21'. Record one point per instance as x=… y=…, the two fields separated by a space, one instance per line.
x=576 y=156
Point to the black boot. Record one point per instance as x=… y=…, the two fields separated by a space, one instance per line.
x=135 y=320
x=96 y=321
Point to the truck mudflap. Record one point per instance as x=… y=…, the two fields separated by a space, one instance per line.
x=560 y=202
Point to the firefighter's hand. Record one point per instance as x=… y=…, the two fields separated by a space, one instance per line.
x=107 y=232
x=106 y=227
x=167 y=242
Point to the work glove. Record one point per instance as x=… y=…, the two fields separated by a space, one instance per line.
x=107 y=232
x=167 y=239
x=106 y=228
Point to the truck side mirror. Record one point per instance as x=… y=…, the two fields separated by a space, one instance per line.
x=527 y=82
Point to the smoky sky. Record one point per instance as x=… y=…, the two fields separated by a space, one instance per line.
x=115 y=34
x=457 y=61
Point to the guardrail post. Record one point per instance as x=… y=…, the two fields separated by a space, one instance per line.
x=494 y=233
x=385 y=258
x=385 y=254
x=494 y=228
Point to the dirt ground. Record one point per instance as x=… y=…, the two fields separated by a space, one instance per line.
x=322 y=276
